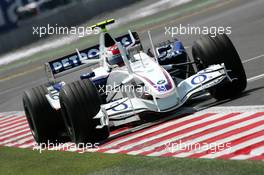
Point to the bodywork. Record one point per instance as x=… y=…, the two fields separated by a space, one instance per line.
x=143 y=84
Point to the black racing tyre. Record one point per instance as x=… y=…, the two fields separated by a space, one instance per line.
x=80 y=102
x=46 y=124
x=216 y=50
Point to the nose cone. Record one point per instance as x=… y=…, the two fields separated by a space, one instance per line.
x=158 y=81
x=155 y=78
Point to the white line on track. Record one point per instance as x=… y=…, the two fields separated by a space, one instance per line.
x=252 y=59
x=255 y=78
x=258 y=77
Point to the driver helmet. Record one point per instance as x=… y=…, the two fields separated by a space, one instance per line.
x=114 y=56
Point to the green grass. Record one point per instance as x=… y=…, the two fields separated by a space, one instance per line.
x=24 y=161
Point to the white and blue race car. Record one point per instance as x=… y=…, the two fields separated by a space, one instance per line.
x=128 y=83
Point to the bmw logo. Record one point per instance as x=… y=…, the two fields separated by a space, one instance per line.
x=199 y=79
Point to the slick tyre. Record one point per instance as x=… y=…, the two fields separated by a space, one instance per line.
x=208 y=51
x=46 y=124
x=80 y=102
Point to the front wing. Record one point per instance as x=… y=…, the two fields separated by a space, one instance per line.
x=127 y=109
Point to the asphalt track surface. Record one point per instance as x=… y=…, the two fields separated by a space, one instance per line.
x=247 y=22
x=239 y=129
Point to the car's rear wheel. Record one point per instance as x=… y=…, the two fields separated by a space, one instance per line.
x=80 y=102
x=216 y=50
x=46 y=124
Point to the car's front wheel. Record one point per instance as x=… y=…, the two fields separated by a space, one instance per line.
x=216 y=50
x=46 y=124
x=80 y=102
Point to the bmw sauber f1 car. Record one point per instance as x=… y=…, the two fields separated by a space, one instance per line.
x=128 y=83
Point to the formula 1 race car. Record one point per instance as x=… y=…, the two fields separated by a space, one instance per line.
x=127 y=83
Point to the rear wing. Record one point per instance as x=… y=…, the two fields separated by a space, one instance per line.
x=89 y=56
